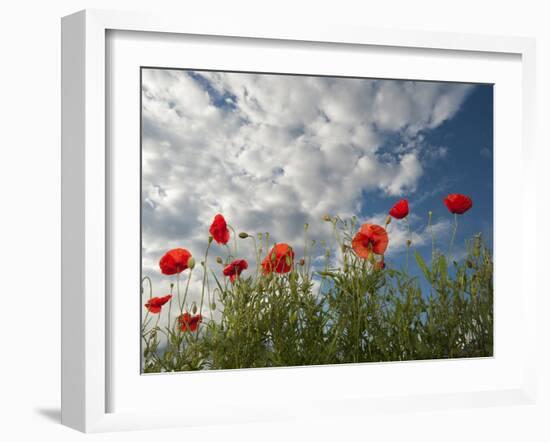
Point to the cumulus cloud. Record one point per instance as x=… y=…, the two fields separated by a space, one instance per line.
x=272 y=152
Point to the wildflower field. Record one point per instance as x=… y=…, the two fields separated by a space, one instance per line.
x=287 y=310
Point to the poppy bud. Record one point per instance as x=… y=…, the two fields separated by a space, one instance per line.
x=172 y=284
x=213 y=306
x=210 y=239
x=243 y=235
x=260 y=236
x=327 y=253
x=388 y=220
x=302 y=262
x=469 y=264
x=194 y=309
x=293 y=317
x=202 y=263
x=306 y=226
x=409 y=242
x=326 y=218
x=191 y=263
x=219 y=260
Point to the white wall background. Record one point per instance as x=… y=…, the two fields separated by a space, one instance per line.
x=30 y=216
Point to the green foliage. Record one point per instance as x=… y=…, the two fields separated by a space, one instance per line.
x=358 y=314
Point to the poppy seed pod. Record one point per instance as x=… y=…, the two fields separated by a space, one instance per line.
x=243 y=235
x=194 y=309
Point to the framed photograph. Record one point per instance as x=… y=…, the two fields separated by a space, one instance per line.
x=318 y=213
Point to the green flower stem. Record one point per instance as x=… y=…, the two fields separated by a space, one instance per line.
x=186 y=291
x=408 y=244
x=204 y=279
x=178 y=291
x=431 y=233
x=257 y=254
x=453 y=235
x=169 y=311
x=234 y=238
x=146 y=278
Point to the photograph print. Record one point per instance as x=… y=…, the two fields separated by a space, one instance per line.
x=302 y=220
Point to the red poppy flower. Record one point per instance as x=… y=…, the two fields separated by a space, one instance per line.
x=370 y=238
x=234 y=269
x=189 y=322
x=155 y=304
x=458 y=203
x=279 y=259
x=219 y=230
x=174 y=261
x=400 y=210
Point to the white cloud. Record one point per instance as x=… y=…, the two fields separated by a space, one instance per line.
x=279 y=152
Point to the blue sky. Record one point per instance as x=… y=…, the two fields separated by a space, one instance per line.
x=272 y=152
x=466 y=167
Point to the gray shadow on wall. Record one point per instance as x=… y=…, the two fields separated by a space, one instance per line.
x=51 y=414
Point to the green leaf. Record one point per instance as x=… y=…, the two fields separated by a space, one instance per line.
x=217 y=281
x=443 y=267
x=423 y=266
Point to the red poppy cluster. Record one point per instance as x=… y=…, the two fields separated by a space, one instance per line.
x=189 y=322
x=372 y=238
x=234 y=269
x=279 y=259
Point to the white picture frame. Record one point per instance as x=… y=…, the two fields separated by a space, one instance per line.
x=85 y=232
